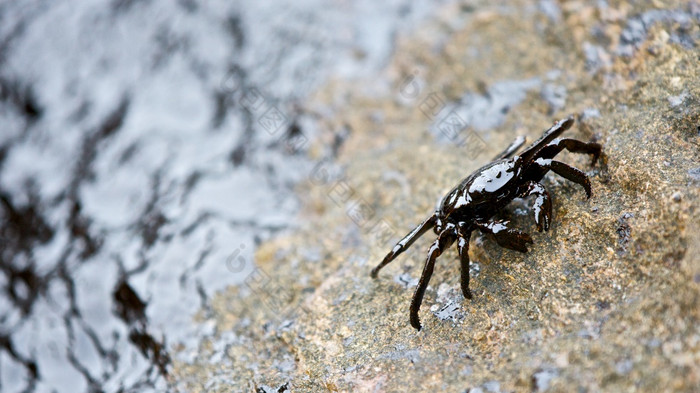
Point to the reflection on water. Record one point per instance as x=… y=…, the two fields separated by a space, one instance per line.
x=142 y=143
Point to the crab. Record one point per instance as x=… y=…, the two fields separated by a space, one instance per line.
x=473 y=203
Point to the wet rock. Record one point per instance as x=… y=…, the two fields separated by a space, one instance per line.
x=453 y=122
x=637 y=27
x=694 y=174
x=675 y=101
x=542 y=379
x=267 y=389
x=555 y=96
x=596 y=57
x=606 y=300
x=624 y=229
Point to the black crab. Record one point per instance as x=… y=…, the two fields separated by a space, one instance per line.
x=472 y=204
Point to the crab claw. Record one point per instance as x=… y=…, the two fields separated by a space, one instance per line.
x=506 y=237
x=513 y=239
x=543 y=211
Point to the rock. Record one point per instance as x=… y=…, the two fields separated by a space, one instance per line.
x=606 y=300
x=542 y=379
x=694 y=174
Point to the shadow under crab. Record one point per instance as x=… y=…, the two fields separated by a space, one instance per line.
x=472 y=204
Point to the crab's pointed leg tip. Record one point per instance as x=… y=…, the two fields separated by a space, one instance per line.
x=416 y=324
x=467 y=294
x=568 y=122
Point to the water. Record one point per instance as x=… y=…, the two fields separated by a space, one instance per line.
x=146 y=148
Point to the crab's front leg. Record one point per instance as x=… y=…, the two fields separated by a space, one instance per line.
x=405 y=243
x=506 y=237
x=444 y=240
x=572 y=145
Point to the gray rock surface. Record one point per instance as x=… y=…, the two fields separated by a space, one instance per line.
x=606 y=300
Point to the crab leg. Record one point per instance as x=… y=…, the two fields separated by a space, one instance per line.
x=566 y=171
x=551 y=134
x=405 y=243
x=463 y=247
x=572 y=145
x=443 y=241
x=510 y=150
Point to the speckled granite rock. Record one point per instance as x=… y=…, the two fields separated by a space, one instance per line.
x=607 y=300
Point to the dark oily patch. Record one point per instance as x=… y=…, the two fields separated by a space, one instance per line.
x=22 y=97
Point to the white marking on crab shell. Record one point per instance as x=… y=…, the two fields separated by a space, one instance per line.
x=463 y=200
x=452 y=198
x=494 y=178
x=543 y=161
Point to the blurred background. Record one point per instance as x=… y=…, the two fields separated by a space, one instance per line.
x=193 y=193
x=146 y=148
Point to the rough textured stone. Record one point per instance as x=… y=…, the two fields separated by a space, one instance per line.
x=606 y=300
